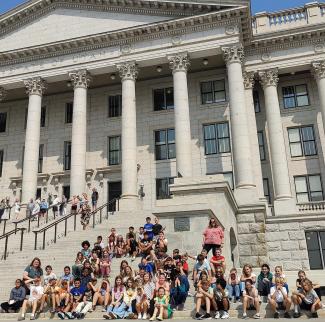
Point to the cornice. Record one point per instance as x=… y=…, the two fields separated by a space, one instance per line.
x=125 y=36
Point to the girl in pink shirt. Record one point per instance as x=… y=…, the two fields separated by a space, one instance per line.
x=212 y=236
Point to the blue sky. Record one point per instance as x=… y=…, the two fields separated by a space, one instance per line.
x=257 y=5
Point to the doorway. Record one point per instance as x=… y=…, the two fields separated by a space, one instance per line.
x=114 y=191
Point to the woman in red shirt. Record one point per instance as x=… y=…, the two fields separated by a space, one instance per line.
x=212 y=236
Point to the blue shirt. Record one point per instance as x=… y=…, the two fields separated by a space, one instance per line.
x=148 y=229
x=148 y=268
x=76 y=292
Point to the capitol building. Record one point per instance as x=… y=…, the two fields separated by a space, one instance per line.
x=185 y=109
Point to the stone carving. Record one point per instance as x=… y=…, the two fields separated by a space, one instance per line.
x=269 y=77
x=128 y=70
x=80 y=78
x=35 y=86
x=318 y=69
x=179 y=62
x=233 y=54
x=266 y=57
x=3 y=94
x=249 y=80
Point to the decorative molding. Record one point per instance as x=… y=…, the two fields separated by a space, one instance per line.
x=233 y=54
x=126 y=49
x=176 y=40
x=3 y=94
x=230 y=30
x=249 y=80
x=179 y=62
x=128 y=71
x=35 y=86
x=318 y=69
x=80 y=78
x=269 y=77
x=266 y=57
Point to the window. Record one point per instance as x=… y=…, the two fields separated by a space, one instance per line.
x=40 y=158
x=162 y=188
x=266 y=188
x=43 y=116
x=316 y=249
x=302 y=141
x=295 y=96
x=68 y=112
x=163 y=99
x=165 y=144
x=1 y=162
x=67 y=155
x=114 y=150
x=3 y=122
x=256 y=98
x=213 y=92
x=261 y=145
x=309 y=188
x=115 y=106
x=216 y=138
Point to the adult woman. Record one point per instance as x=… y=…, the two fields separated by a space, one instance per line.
x=78 y=266
x=33 y=271
x=85 y=215
x=212 y=236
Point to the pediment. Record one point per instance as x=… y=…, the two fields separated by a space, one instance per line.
x=63 y=24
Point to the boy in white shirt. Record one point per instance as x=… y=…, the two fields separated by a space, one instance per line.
x=278 y=298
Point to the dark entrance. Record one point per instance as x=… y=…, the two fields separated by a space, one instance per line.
x=114 y=191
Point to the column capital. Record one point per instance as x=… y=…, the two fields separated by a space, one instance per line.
x=128 y=70
x=3 y=93
x=318 y=69
x=269 y=77
x=80 y=78
x=179 y=62
x=249 y=79
x=35 y=86
x=233 y=54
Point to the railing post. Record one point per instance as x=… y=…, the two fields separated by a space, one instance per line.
x=10 y=212
x=4 y=226
x=100 y=215
x=16 y=227
x=55 y=229
x=75 y=221
x=6 y=246
x=65 y=226
x=118 y=204
x=35 y=245
x=29 y=224
x=44 y=232
x=94 y=214
x=38 y=216
x=47 y=215
x=21 y=239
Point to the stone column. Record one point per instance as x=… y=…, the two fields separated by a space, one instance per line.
x=179 y=64
x=80 y=80
x=249 y=81
x=318 y=70
x=128 y=72
x=34 y=88
x=233 y=57
x=3 y=94
x=280 y=172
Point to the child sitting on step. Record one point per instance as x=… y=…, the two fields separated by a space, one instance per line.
x=162 y=307
x=251 y=299
x=141 y=304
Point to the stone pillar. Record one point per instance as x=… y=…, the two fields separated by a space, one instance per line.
x=80 y=80
x=280 y=172
x=179 y=64
x=318 y=70
x=3 y=94
x=128 y=73
x=233 y=57
x=249 y=82
x=34 y=88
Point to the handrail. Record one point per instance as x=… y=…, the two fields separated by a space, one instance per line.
x=65 y=220
x=7 y=235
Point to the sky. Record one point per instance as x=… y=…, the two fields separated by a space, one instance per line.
x=257 y=5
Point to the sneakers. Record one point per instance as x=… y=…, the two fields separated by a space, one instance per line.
x=257 y=316
x=32 y=317
x=244 y=316
x=159 y=318
x=197 y=316
x=61 y=315
x=69 y=315
x=225 y=315
x=276 y=315
x=81 y=316
x=217 y=316
x=297 y=315
x=139 y=316
x=106 y=316
x=144 y=316
x=153 y=318
x=21 y=318
x=287 y=315
x=206 y=316
x=314 y=315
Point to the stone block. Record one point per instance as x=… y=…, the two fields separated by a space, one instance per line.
x=248 y=239
x=274 y=246
x=259 y=217
x=302 y=244
x=243 y=228
x=276 y=236
x=280 y=256
x=252 y=260
x=262 y=260
x=245 y=218
x=305 y=265
x=271 y=227
x=296 y=235
x=299 y=255
x=259 y=249
x=257 y=228
x=312 y=225
x=290 y=245
x=244 y=250
x=260 y=237
x=288 y=226
x=292 y=265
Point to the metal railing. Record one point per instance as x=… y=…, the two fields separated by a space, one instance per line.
x=6 y=237
x=73 y=214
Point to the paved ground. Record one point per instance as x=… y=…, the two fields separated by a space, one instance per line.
x=191 y=320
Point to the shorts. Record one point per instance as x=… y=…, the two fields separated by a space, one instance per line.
x=43 y=211
x=55 y=208
x=74 y=207
x=280 y=305
x=305 y=306
x=94 y=202
x=220 y=306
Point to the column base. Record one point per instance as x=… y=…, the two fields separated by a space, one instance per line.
x=130 y=203
x=246 y=195
x=285 y=206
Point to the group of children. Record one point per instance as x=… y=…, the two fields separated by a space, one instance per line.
x=159 y=285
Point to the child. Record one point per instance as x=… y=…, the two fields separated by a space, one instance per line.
x=77 y=267
x=132 y=246
x=105 y=264
x=48 y=274
x=51 y=292
x=36 y=293
x=148 y=267
x=141 y=304
x=111 y=247
x=85 y=305
x=204 y=296
x=278 y=273
x=148 y=228
x=301 y=277
x=113 y=235
x=162 y=307
x=145 y=245
x=278 y=299
x=120 y=247
x=264 y=281
x=16 y=299
x=247 y=274
x=102 y=295
x=94 y=263
x=85 y=249
x=131 y=232
x=64 y=295
x=201 y=266
x=67 y=276
x=140 y=234
x=221 y=299
x=117 y=295
x=233 y=285
x=306 y=299
x=169 y=268
x=250 y=299
x=99 y=242
x=218 y=260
